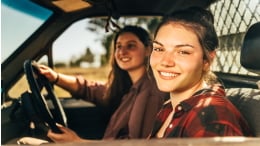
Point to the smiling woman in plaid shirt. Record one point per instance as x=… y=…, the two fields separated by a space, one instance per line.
x=183 y=51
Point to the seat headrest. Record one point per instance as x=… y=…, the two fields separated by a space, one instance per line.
x=250 y=51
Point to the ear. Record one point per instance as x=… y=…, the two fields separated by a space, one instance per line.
x=212 y=55
x=208 y=62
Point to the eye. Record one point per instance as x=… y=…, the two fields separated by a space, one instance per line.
x=158 y=49
x=184 y=52
x=131 y=46
x=118 y=46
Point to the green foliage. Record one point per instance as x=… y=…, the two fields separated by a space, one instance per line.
x=59 y=64
x=97 y=25
x=106 y=42
x=87 y=57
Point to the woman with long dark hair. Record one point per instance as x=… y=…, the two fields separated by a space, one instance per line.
x=130 y=96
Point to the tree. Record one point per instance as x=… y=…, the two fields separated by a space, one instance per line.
x=87 y=57
x=111 y=25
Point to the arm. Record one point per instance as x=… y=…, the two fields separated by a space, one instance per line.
x=76 y=85
x=66 y=82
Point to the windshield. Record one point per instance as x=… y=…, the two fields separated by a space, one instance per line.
x=20 y=18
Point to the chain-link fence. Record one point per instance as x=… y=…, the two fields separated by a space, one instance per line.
x=232 y=19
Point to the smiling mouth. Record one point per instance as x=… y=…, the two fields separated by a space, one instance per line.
x=125 y=59
x=168 y=74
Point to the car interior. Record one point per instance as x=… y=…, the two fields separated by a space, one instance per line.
x=238 y=27
x=246 y=99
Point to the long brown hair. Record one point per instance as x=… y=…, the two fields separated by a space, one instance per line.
x=119 y=81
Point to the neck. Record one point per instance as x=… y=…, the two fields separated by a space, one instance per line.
x=177 y=97
x=135 y=75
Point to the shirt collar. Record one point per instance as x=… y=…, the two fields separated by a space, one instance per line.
x=189 y=103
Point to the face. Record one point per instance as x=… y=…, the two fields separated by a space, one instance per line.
x=177 y=59
x=130 y=52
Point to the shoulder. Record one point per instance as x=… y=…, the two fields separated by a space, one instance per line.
x=212 y=99
x=147 y=89
x=216 y=101
x=147 y=84
x=216 y=108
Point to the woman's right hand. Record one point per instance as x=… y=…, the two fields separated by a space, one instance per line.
x=67 y=82
x=50 y=74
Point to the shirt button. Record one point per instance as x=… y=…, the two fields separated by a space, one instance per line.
x=170 y=126
x=179 y=108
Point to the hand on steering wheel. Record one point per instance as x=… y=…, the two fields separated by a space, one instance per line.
x=36 y=83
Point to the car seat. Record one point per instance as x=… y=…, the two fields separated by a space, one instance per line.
x=247 y=100
x=249 y=57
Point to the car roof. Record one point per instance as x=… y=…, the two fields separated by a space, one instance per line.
x=121 y=7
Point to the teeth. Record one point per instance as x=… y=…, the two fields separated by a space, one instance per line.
x=125 y=59
x=168 y=74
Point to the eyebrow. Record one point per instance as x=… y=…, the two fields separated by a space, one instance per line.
x=131 y=41
x=184 y=45
x=158 y=43
x=177 y=46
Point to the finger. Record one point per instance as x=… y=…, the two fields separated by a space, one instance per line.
x=63 y=129
x=55 y=136
x=59 y=125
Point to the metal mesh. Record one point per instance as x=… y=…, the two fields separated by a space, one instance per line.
x=232 y=19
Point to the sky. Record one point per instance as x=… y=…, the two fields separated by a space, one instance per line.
x=75 y=40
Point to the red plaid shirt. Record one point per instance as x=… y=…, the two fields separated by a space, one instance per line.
x=207 y=113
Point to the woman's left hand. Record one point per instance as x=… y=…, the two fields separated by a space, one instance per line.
x=67 y=135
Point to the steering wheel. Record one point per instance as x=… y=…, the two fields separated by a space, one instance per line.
x=36 y=83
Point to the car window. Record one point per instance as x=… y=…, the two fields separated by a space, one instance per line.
x=22 y=84
x=232 y=19
x=87 y=49
x=18 y=23
x=87 y=46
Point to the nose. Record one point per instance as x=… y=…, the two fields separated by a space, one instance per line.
x=168 y=59
x=122 y=50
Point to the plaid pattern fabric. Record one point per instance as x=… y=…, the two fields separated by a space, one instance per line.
x=207 y=113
